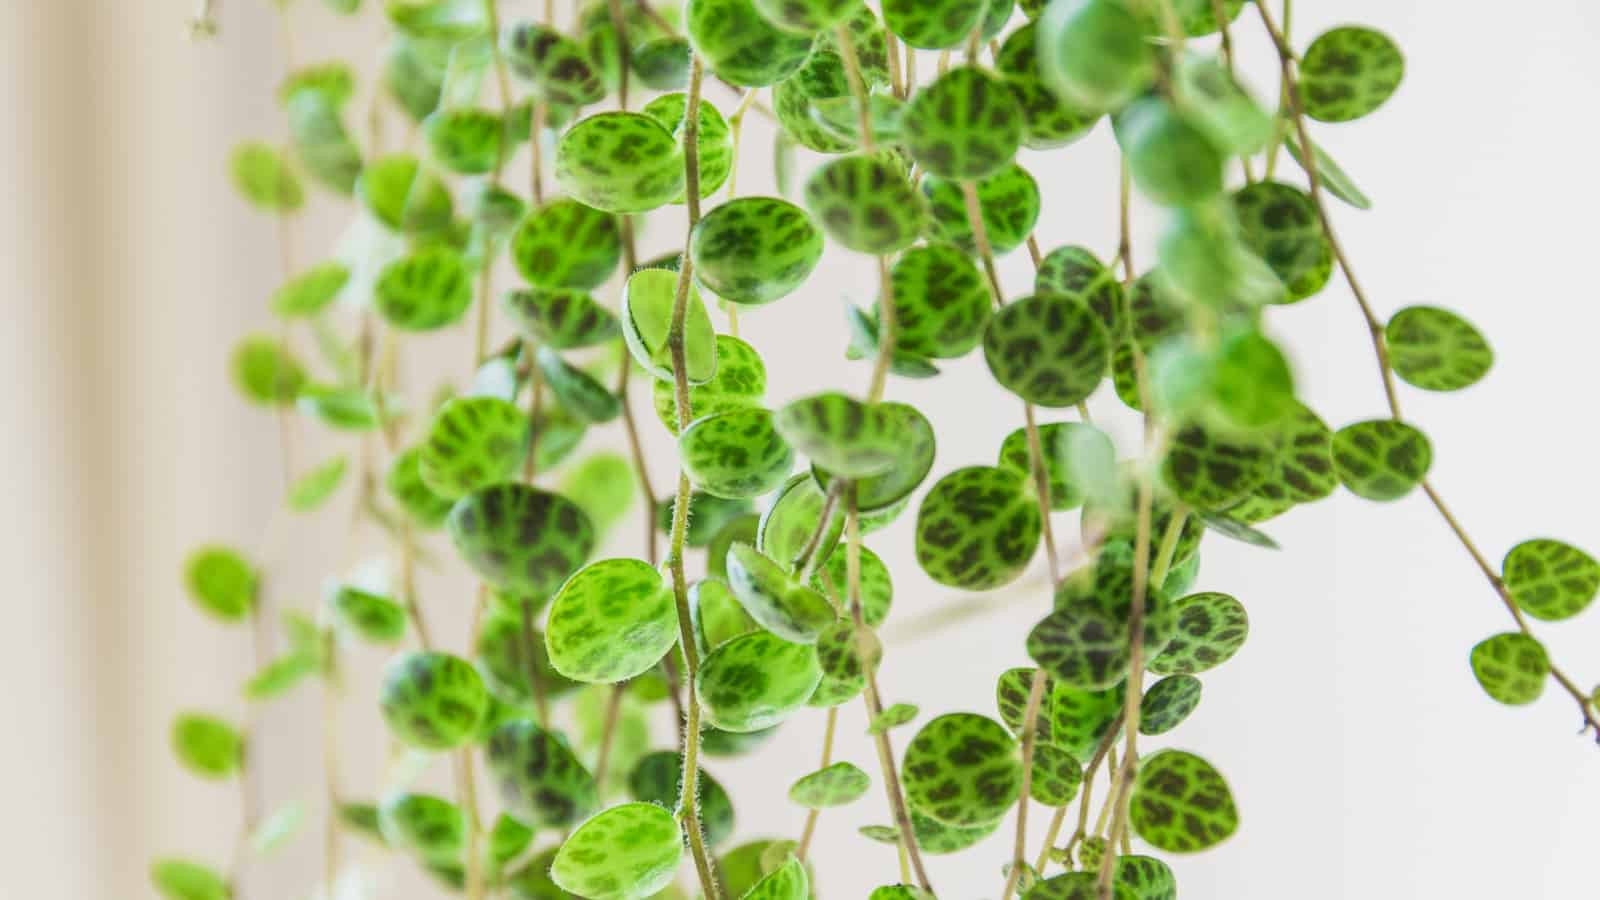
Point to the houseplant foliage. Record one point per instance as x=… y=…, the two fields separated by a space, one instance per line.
x=752 y=598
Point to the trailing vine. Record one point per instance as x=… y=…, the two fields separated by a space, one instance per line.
x=767 y=601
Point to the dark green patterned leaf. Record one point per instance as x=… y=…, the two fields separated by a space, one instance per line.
x=1435 y=349
x=1048 y=349
x=788 y=524
x=1083 y=643
x=714 y=139
x=658 y=778
x=736 y=454
x=1279 y=223
x=966 y=124
x=1381 y=459
x=620 y=162
x=1349 y=72
x=916 y=447
x=1008 y=202
x=374 y=617
x=1549 y=579
x=892 y=717
x=427 y=289
x=472 y=443
x=520 y=538
x=1056 y=775
x=840 y=648
x=932 y=24
x=836 y=785
x=1167 y=703
x=539 y=779
x=431 y=827
x=1211 y=469
x=941 y=301
x=962 y=770
x=977 y=528
x=627 y=852
x=877 y=591
x=432 y=700
x=755 y=681
x=1211 y=627
x=1095 y=54
x=740 y=382
x=1181 y=804
x=553 y=65
x=843 y=435
x=741 y=45
x=565 y=244
x=1511 y=667
x=1078 y=460
x=754 y=250
x=1048 y=120
x=866 y=204
x=1076 y=272
x=610 y=621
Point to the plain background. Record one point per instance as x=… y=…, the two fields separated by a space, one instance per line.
x=1365 y=760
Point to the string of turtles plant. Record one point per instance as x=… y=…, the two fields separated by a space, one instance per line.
x=777 y=617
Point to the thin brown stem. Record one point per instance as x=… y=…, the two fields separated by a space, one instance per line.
x=874 y=701
x=1587 y=706
x=1030 y=723
x=827 y=760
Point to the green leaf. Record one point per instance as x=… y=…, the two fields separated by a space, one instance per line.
x=1206 y=263
x=374 y=617
x=1549 y=579
x=1167 y=703
x=466 y=140
x=425 y=290
x=1381 y=459
x=893 y=717
x=713 y=140
x=1008 y=203
x=1049 y=350
x=207 y=746
x=737 y=454
x=647 y=310
x=843 y=435
x=840 y=649
x=620 y=162
x=277 y=829
x=178 y=879
x=1511 y=667
x=472 y=443
x=877 y=589
x=540 y=779
x=432 y=700
x=754 y=250
x=1076 y=272
x=1279 y=223
x=317 y=484
x=791 y=520
x=740 y=382
x=864 y=345
x=775 y=599
x=1083 y=643
x=717 y=613
x=1082 y=885
x=937 y=838
x=627 y=852
x=977 y=528
x=962 y=770
x=322 y=142
x=406 y=486
x=277 y=677
x=915 y=445
x=1079 y=720
x=310 y=292
x=565 y=244
x=740 y=45
x=362 y=818
x=932 y=24
x=1077 y=460
x=1096 y=54
x=965 y=124
x=443 y=20
x=602 y=485
x=431 y=827
x=1146 y=878
x=1011 y=692
x=264 y=372
x=1199 y=18
x=221 y=582
x=553 y=65
x=866 y=204
x=502 y=655
x=1329 y=173
x=1220 y=107
x=576 y=390
x=1172 y=162
x=1302 y=468
x=788 y=882
x=264 y=179
x=1227 y=526
x=1056 y=775
x=755 y=681
x=1048 y=120
x=1349 y=72
x=561 y=318
x=1181 y=804
x=402 y=196
x=941 y=301
x=1435 y=349
x=658 y=778
x=347 y=409
x=1211 y=469
x=612 y=620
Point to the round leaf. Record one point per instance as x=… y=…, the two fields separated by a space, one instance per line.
x=966 y=124
x=1550 y=580
x=611 y=621
x=1435 y=349
x=432 y=700
x=1047 y=349
x=519 y=538
x=843 y=435
x=1210 y=629
x=736 y=454
x=941 y=301
x=541 y=781
x=1349 y=72
x=866 y=204
x=374 y=617
x=472 y=442
x=774 y=599
x=836 y=785
x=741 y=45
x=426 y=290
x=755 y=681
x=221 y=582
x=620 y=162
x=206 y=745
x=740 y=382
x=1008 y=202
x=962 y=770
x=932 y=24
x=754 y=250
x=647 y=305
x=977 y=528
x=1181 y=804
x=1167 y=703
x=1511 y=667
x=565 y=244
x=1381 y=459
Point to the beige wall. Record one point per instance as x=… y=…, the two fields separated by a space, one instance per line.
x=1351 y=729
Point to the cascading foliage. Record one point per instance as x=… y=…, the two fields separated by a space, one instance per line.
x=913 y=113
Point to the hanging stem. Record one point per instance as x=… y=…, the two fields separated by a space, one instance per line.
x=827 y=760
x=688 y=800
x=1587 y=707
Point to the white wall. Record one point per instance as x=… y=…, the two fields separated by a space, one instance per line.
x=1365 y=760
